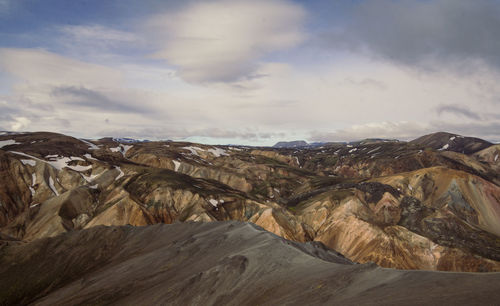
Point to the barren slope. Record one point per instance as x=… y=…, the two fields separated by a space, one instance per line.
x=214 y=263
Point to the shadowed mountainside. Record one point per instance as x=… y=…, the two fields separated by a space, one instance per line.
x=229 y=263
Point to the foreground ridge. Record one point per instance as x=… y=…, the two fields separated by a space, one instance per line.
x=214 y=263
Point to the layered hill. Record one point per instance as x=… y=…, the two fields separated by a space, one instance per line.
x=452 y=142
x=214 y=263
x=403 y=205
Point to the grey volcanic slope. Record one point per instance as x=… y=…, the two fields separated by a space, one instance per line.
x=214 y=263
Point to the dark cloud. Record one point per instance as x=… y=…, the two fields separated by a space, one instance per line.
x=413 y=31
x=457 y=110
x=88 y=98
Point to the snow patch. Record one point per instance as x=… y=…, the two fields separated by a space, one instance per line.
x=215 y=202
x=32 y=190
x=120 y=175
x=28 y=162
x=496 y=157
x=33 y=179
x=217 y=152
x=122 y=149
x=446 y=146
x=193 y=150
x=88 y=156
x=297 y=160
x=353 y=150
x=452 y=138
x=126 y=148
x=91 y=145
x=176 y=165
x=34 y=205
x=9 y=142
x=59 y=163
x=89 y=178
x=79 y=168
x=52 y=187
x=94 y=186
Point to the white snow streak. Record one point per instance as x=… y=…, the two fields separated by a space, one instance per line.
x=52 y=187
x=91 y=145
x=193 y=150
x=9 y=142
x=80 y=168
x=120 y=175
x=28 y=162
x=446 y=146
x=122 y=149
x=176 y=165
x=217 y=152
x=214 y=202
x=88 y=156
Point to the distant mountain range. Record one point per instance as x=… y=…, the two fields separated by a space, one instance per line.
x=439 y=140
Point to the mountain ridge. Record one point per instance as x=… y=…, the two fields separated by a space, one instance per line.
x=230 y=262
x=370 y=201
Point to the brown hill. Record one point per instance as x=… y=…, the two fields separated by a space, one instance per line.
x=452 y=142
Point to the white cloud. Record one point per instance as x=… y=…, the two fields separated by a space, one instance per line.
x=96 y=32
x=19 y=123
x=357 y=98
x=223 y=40
x=95 y=42
x=38 y=67
x=403 y=130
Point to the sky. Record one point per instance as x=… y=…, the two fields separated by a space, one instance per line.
x=251 y=72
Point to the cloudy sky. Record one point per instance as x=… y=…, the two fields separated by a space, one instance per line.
x=251 y=72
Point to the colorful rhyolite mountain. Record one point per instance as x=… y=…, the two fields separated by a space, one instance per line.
x=430 y=204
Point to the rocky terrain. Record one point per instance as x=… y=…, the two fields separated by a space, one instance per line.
x=428 y=204
x=214 y=263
